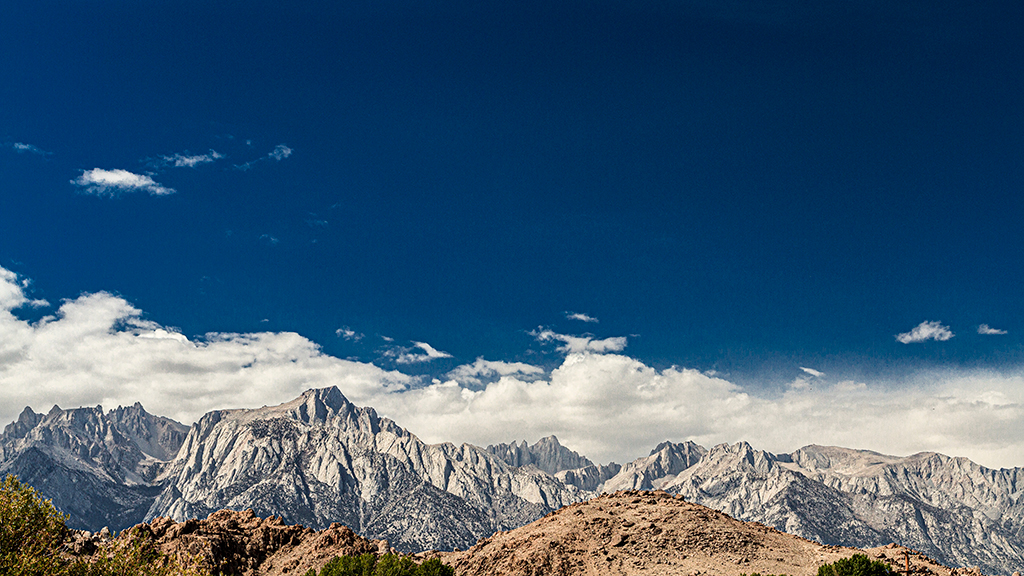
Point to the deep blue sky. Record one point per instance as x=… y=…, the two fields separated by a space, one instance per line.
x=737 y=186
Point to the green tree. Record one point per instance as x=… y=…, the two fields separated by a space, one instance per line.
x=434 y=567
x=856 y=565
x=362 y=565
x=31 y=531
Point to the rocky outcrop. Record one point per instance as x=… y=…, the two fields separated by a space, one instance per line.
x=319 y=459
x=238 y=543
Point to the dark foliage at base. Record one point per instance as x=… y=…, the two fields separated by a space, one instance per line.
x=387 y=565
x=856 y=565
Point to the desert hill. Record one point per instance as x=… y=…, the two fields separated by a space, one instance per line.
x=656 y=533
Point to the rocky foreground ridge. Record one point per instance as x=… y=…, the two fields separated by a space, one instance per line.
x=625 y=533
x=319 y=459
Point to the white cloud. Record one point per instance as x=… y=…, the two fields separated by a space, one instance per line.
x=21 y=148
x=280 y=152
x=986 y=329
x=99 y=349
x=349 y=334
x=581 y=344
x=111 y=183
x=403 y=355
x=813 y=372
x=926 y=331
x=269 y=240
x=191 y=161
x=580 y=316
x=482 y=371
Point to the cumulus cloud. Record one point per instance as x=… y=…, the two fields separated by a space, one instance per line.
x=926 y=331
x=349 y=334
x=404 y=355
x=813 y=372
x=986 y=329
x=280 y=152
x=581 y=344
x=580 y=316
x=99 y=349
x=111 y=183
x=22 y=148
x=190 y=161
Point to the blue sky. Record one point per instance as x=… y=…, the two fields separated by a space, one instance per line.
x=738 y=188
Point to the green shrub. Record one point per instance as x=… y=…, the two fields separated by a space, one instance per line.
x=434 y=567
x=386 y=565
x=31 y=531
x=856 y=565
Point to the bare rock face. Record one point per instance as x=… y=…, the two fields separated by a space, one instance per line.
x=87 y=462
x=547 y=455
x=319 y=459
x=661 y=466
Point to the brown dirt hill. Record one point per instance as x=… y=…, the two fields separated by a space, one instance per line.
x=242 y=544
x=655 y=533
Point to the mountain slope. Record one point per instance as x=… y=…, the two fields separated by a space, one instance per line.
x=952 y=509
x=87 y=462
x=319 y=459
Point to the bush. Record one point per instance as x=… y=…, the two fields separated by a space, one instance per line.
x=387 y=565
x=32 y=532
x=856 y=565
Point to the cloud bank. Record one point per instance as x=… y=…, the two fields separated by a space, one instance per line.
x=99 y=349
x=112 y=183
x=926 y=331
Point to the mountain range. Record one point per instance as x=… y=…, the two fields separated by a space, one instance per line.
x=320 y=459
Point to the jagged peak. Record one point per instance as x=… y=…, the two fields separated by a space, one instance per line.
x=550 y=440
x=688 y=445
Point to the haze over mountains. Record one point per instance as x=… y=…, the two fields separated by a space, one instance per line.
x=320 y=459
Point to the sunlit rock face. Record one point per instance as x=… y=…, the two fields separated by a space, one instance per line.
x=319 y=459
x=99 y=467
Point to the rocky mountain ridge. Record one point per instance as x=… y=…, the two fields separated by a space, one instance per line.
x=319 y=459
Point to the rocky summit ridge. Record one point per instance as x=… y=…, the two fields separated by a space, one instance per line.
x=319 y=459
